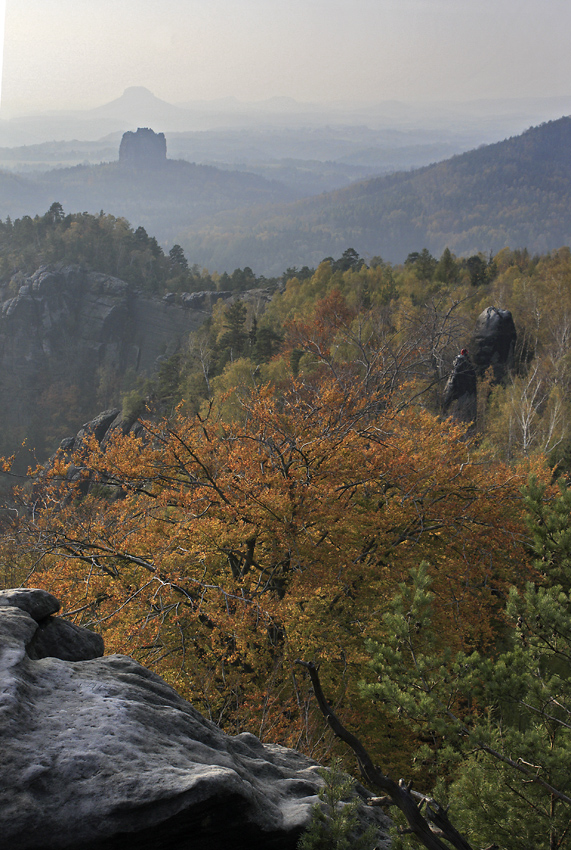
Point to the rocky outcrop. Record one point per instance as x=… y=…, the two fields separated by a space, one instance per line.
x=144 y=149
x=65 y=311
x=494 y=342
x=460 y=398
x=99 y=753
x=54 y=636
x=68 y=337
x=103 y=427
x=492 y=345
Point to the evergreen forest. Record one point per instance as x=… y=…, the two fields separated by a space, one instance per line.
x=288 y=486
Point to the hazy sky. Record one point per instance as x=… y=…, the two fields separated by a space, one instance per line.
x=81 y=53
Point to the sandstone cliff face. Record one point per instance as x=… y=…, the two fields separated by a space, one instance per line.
x=63 y=311
x=98 y=753
x=144 y=148
x=63 y=329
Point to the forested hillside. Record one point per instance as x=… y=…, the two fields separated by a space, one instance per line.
x=157 y=199
x=515 y=192
x=287 y=486
x=90 y=308
x=101 y=242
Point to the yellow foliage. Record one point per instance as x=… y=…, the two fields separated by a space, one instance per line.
x=217 y=551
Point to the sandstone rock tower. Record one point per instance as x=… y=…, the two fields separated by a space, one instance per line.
x=145 y=148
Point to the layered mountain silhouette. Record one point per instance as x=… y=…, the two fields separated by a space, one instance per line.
x=514 y=193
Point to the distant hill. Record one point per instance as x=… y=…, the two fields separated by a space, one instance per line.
x=160 y=199
x=516 y=192
x=138 y=106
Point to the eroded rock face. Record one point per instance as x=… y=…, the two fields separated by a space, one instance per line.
x=65 y=318
x=145 y=148
x=494 y=342
x=101 y=754
x=460 y=398
x=68 y=336
x=492 y=345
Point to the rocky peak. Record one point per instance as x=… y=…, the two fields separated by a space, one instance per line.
x=492 y=345
x=145 y=148
x=494 y=342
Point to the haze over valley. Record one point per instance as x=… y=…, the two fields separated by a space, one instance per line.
x=262 y=110
x=277 y=197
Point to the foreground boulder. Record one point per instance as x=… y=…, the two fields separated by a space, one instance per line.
x=102 y=753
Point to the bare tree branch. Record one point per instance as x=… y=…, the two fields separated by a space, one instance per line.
x=426 y=829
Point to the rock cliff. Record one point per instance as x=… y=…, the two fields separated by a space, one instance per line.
x=99 y=753
x=62 y=311
x=460 y=398
x=65 y=332
x=494 y=342
x=492 y=345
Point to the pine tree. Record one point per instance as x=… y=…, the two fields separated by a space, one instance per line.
x=496 y=723
x=335 y=822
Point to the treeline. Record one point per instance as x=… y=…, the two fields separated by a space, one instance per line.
x=158 y=199
x=419 y=315
x=110 y=245
x=101 y=242
x=428 y=302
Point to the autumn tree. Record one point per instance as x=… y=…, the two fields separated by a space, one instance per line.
x=218 y=551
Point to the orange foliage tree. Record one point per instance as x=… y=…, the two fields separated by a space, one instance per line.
x=218 y=552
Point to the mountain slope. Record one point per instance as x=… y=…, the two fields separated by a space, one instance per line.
x=516 y=192
x=159 y=199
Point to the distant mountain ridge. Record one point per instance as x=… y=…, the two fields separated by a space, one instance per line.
x=161 y=199
x=461 y=125
x=513 y=193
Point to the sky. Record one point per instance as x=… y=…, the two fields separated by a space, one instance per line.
x=77 y=54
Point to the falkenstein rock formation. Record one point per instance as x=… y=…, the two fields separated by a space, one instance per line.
x=98 y=753
x=145 y=149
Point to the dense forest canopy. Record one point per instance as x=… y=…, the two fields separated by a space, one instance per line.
x=273 y=490
x=101 y=242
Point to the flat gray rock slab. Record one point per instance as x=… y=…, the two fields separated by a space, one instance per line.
x=96 y=750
